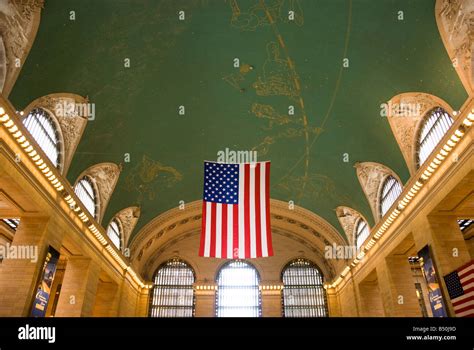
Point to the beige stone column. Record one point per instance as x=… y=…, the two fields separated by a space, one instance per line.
x=143 y=302
x=397 y=287
x=271 y=294
x=205 y=298
x=370 y=299
x=79 y=288
x=106 y=300
x=334 y=307
x=19 y=277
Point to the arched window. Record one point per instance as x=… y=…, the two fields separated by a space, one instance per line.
x=43 y=129
x=114 y=231
x=303 y=291
x=86 y=192
x=173 y=292
x=391 y=189
x=433 y=129
x=361 y=232
x=238 y=293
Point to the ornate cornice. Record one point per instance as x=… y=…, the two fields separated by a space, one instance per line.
x=19 y=21
x=371 y=176
x=455 y=20
x=405 y=115
x=105 y=176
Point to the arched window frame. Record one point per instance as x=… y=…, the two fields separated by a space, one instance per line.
x=361 y=232
x=383 y=197
x=220 y=288
x=49 y=118
x=176 y=289
x=288 y=287
x=438 y=121
x=117 y=233
x=94 y=197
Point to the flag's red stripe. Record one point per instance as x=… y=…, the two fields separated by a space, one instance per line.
x=212 y=252
x=247 y=209
x=456 y=301
x=258 y=219
x=267 y=207
x=224 y=231
x=203 y=229
x=465 y=266
x=469 y=281
x=235 y=234
x=462 y=307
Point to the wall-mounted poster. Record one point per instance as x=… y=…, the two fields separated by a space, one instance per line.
x=431 y=277
x=46 y=281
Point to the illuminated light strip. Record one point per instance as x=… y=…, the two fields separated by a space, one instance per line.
x=36 y=158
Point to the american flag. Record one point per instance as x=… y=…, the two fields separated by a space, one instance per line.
x=236 y=211
x=460 y=284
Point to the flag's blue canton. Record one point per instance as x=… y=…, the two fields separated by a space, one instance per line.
x=221 y=183
x=453 y=283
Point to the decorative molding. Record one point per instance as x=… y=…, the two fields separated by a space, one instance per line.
x=371 y=176
x=19 y=22
x=71 y=125
x=455 y=20
x=348 y=218
x=3 y=64
x=128 y=218
x=405 y=115
x=105 y=176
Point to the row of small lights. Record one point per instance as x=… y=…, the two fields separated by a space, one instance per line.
x=206 y=287
x=41 y=164
x=403 y=203
x=271 y=287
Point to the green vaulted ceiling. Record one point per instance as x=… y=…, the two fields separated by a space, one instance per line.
x=191 y=63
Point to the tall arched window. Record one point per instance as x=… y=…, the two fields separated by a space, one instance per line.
x=433 y=129
x=303 y=291
x=86 y=192
x=114 y=231
x=361 y=232
x=238 y=293
x=173 y=292
x=43 y=129
x=391 y=189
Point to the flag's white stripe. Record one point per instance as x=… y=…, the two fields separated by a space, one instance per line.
x=263 y=211
x=230 y=230
x=463 y=305
x=241 y=211
x=467 y=278
x=466 y=313
x=253 y=234
x=218 y=229
x=207 y=240
x=462 y=297
x=466 y=269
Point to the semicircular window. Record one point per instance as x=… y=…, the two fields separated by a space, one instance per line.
x=84 y=189
x=434 y=127
x=362 y=232
x=238 y=293
x=43 y=129
x=391 y=190
x=114 y=232
x=173 y=291
x=303 y=291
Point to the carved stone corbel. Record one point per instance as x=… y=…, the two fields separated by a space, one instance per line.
x=128 y=217
x=348 y=219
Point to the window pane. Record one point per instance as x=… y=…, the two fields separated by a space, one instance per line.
x=238 y=293
x=303 y=291
x=85 y=191
x=391 y=190
x=114 y=233
x=432 y=131
x=42 y=128
x=362 y=232
x=173 y=292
